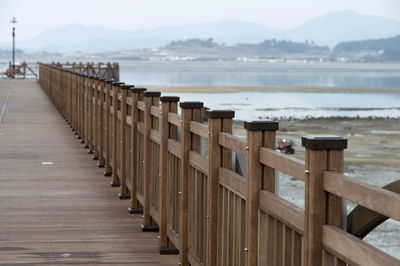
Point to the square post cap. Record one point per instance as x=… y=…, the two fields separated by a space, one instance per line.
x=152 y=94
x=324 y=142
x=263 y=125
x=137 y=90
x=191 y=105
x=117 y=83
x=169 y=99
x=215 y=114
x=109 y=81
x=126 y=87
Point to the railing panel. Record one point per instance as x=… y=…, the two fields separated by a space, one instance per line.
x=155 y=180
x=279 y=243
x=105 y=129
x=111 y=133
x=197 y=215
x=140 y=167
x=231 y=228
x=173 y=180
x=118 y=135
x=283 y=210
x=128 y=152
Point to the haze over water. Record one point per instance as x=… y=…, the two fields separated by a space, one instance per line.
x=280 y=105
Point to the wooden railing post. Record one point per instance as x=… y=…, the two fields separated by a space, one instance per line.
x=167 y=104
x=96 y=118
x=135 y=95
x=67 y=112
x=257 y=136
x=218 y=121
x=107 y=127
x=188 y=109
x=78 y=105
x=71 y=86
x=102 y=85
x=322 y=153
x=90 y=114
x=114 y=136
x=123 y=193
x=86 y=110
x=150 y=97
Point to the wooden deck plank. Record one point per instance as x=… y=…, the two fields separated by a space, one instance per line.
x=64 y=213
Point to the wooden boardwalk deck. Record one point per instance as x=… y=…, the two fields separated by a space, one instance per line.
x=63 y=213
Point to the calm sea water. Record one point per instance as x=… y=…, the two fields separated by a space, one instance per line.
x=262 y=105
x=260 y=74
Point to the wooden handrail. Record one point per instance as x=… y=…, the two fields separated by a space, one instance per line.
x=233 y=143
x=352 y=250
x=283 y=163
x=174 y=119
x=199 y=129
x=377 y=199
x=233 y=181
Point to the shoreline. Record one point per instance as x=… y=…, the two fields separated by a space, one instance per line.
x=273 y=89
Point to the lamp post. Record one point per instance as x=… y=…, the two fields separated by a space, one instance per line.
x=13 y=21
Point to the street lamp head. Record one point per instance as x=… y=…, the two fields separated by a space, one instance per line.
x=14 y=20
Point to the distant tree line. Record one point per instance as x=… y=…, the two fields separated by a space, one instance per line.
x=387 y=49
x=272 y=45
x=291 y=47
x=368 y=45
x=208 y=43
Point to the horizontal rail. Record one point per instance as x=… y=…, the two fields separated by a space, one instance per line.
x=140 y=127
x=198 y=161
x=282 y=210
x=155 y=111
x=198 y=129
x=283 y=163
x=352 y=250
x=128 y=120
x=141 y=105
x=375 y=198
x=129 y=100
x=155 y=136
x=233 y=143
x=233 y=182
x=174 y=119
x=174 y=147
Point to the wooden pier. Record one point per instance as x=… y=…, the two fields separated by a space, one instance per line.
x=56 y=207
x=172 y=167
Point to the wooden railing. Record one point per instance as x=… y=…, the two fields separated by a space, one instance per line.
x=100 y=69
x=178 y=171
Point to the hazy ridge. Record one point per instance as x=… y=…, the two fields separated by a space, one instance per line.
x=329 y=30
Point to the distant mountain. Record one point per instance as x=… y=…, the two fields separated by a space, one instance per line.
x=96 y=39
x=342 y=26
x=325 y=30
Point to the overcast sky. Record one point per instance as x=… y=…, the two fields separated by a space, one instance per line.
x=35 y=16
